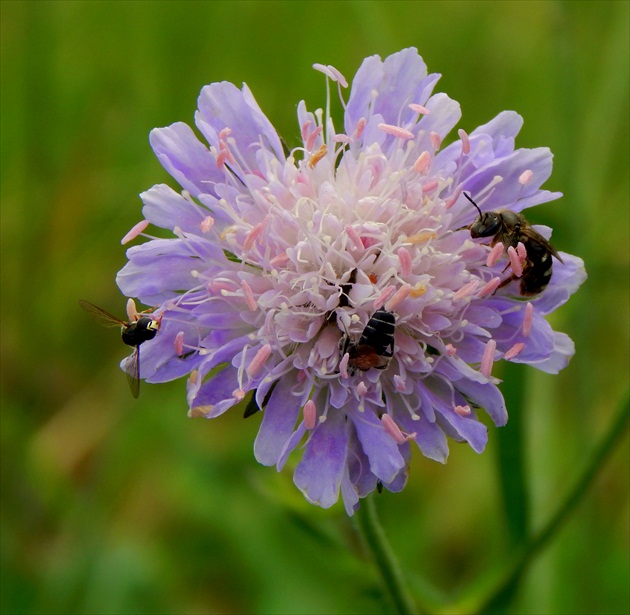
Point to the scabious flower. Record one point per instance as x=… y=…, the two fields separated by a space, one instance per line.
x=280 y=258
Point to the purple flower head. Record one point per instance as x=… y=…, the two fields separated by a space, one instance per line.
x=339 y=282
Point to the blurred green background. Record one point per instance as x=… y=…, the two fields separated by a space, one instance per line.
x=112 y=505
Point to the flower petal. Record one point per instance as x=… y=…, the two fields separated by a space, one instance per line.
x=321 y=469
x=157 y=270
x=387 y=88
x=166 y=208
x=215 y=395
x=563 y=350
x=278 y=423
x=223 y=105
x=280 y=262
x=185 y=158
x=381 y=449
x=566 y=279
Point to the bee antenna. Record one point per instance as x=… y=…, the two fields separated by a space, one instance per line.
x=473 y=202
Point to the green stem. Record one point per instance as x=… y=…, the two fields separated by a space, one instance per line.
x=512 y=572
x=511 y=447
x=384 y=558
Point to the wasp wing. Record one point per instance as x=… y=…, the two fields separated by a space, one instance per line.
x=105 y=318
x=132 y=369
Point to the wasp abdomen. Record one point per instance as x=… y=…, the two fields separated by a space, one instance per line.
x=142 y=330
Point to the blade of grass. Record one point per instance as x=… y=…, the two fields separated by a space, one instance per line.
x=384 y=558
x=484 y=597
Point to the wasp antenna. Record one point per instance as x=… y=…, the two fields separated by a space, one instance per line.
x=473 y=202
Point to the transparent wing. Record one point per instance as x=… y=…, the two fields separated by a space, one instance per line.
x=105 y=318
x=132 y=369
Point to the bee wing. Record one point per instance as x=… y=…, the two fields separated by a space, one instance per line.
x=105 y=318
x=132 y=369
x=534 y=235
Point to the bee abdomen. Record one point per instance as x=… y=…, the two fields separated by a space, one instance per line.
x=536 y=274
x=379 y=332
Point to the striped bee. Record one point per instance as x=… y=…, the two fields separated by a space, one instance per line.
x=376 y=345
x=510 y=228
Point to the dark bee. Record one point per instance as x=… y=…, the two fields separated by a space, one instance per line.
x=376 y=345
x=133 y=333
x=510 y=228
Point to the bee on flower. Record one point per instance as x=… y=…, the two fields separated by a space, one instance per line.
x=338 y=283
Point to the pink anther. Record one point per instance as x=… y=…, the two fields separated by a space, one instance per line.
x=136 y=230
x=452 y=199
x=343 y=366
x=206 y=224
x=179 y=344
x=463 y=135
x=257 y=363
x=279 y=260
x=359 y=129
x=354 y=237
x=495 y=254
x=249 y=296
x=404 y=258
x=515 y=262
x=488 y=358
x=310 y=414
x=251 y=237
x=514 y=351
x=305 y=129
x=386 y=293
x=310 y=142
x=399 y=383
x=398 y=297
x=419 y=108
x=466 y=290
x=490 y=287
x=528 y=319
x=429 y=186
x=132 y=312
x=332 y=73
x=394 y=431
x=463 y=410
x=525 y=177
x=422 y=163
x=396 y=131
